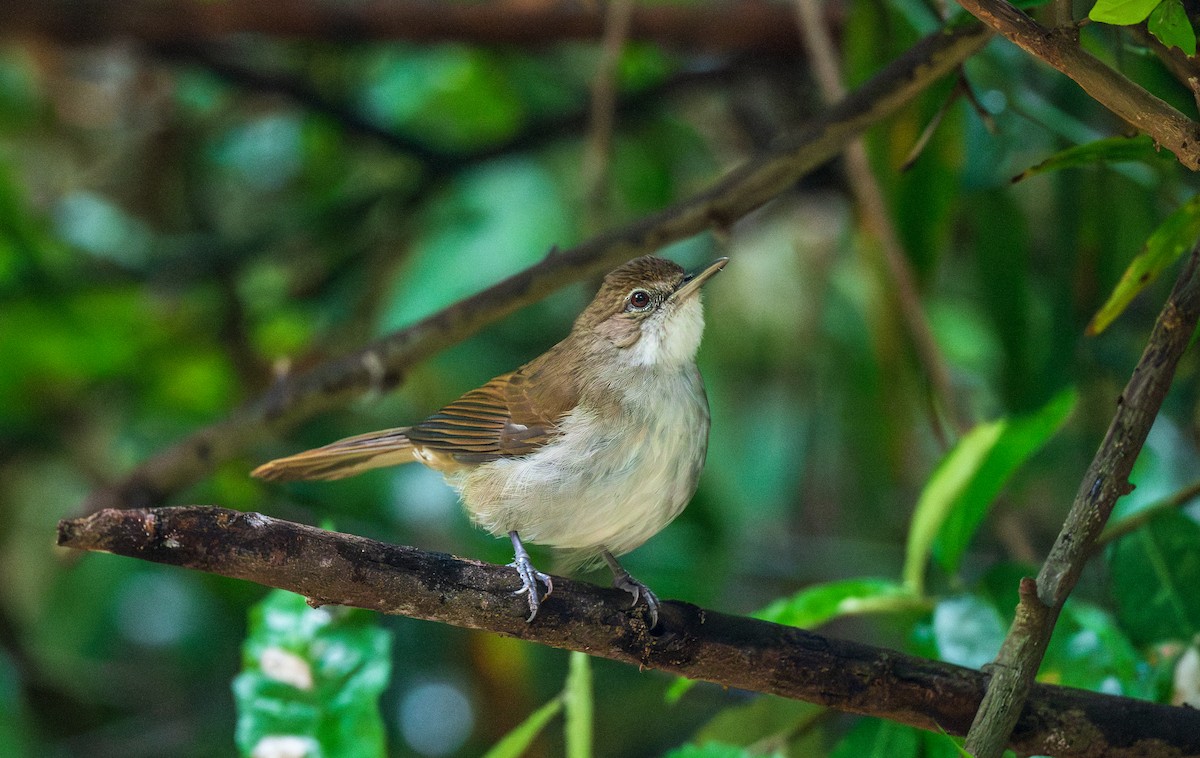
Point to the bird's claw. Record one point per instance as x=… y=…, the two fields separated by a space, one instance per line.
x=529 y=579
x=530 y=576
x=623 y=581
x=639 y=592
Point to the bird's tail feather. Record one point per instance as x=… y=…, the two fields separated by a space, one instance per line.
x=343 y=458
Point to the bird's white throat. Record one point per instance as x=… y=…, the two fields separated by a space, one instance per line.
x=671 y=337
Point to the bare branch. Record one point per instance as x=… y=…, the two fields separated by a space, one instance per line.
x=1106 y=479
x=1060 y=48
x=382 y=364
x=328 y=568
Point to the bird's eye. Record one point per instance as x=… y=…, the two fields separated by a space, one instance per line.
x=639 y=299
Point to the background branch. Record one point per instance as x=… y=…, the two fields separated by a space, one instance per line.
x=381 y=365
x=602 y=120
x=1128 y=526
x=227 y=63
x=1106 y=479
x=329 y=567
x=760 y=26
x=1060 y=48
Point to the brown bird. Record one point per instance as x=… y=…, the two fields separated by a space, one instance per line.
x=593 y=446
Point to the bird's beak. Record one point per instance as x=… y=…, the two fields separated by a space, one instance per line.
x=694 y=281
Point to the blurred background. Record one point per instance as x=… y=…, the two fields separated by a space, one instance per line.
x=183 y=219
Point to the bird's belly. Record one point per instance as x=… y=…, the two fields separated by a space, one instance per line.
x=598 y=484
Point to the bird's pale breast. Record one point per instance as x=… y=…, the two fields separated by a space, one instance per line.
x=614 y=475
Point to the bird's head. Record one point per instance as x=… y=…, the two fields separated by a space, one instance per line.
x=649 y=309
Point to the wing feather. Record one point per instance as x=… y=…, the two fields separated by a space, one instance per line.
x=510 y=416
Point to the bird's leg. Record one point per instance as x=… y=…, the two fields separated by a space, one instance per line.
x=529 y=576
x=622 y=580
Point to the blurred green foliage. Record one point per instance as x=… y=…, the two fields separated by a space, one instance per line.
x=171 y=239
x=311 y=678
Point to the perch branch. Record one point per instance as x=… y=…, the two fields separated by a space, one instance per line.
x=328 y=567
x=1060 y=48
x=1106 y=479
x=382 y=364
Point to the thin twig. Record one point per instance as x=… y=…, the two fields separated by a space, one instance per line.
x=744 y=653
x=1060 y=48
x=1128 y=526
x=1106 y=479
x=603 y=107
x=961 y=87
x=332 y=384
x=870 y=200
x=1063 y=13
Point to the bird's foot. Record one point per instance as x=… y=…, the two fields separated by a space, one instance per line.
x=530 y=576
x=622 y=580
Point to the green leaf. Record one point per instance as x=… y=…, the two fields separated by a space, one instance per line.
x=1155 y=573
x=761 y=720
x=515 y=743
x=1169 y=22
x=577 y=697
x=820 y=603
x=944 y=488
x=949 y=742
x=1019 y=440
x=678 y=689
x=1121 y=12
x=1109 y=150
x=875 y=738
x=1089 y=651
x=1168 y=242
x=966 y=482
x=311 y=678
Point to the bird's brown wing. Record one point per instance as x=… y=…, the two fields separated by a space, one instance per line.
x=512 y=415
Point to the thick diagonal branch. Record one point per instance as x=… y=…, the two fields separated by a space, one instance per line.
x=382 y=364
x=1106 y=479
x=1061 y=49
x=330 y=568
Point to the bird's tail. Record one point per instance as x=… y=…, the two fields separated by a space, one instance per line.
x=343 y=458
